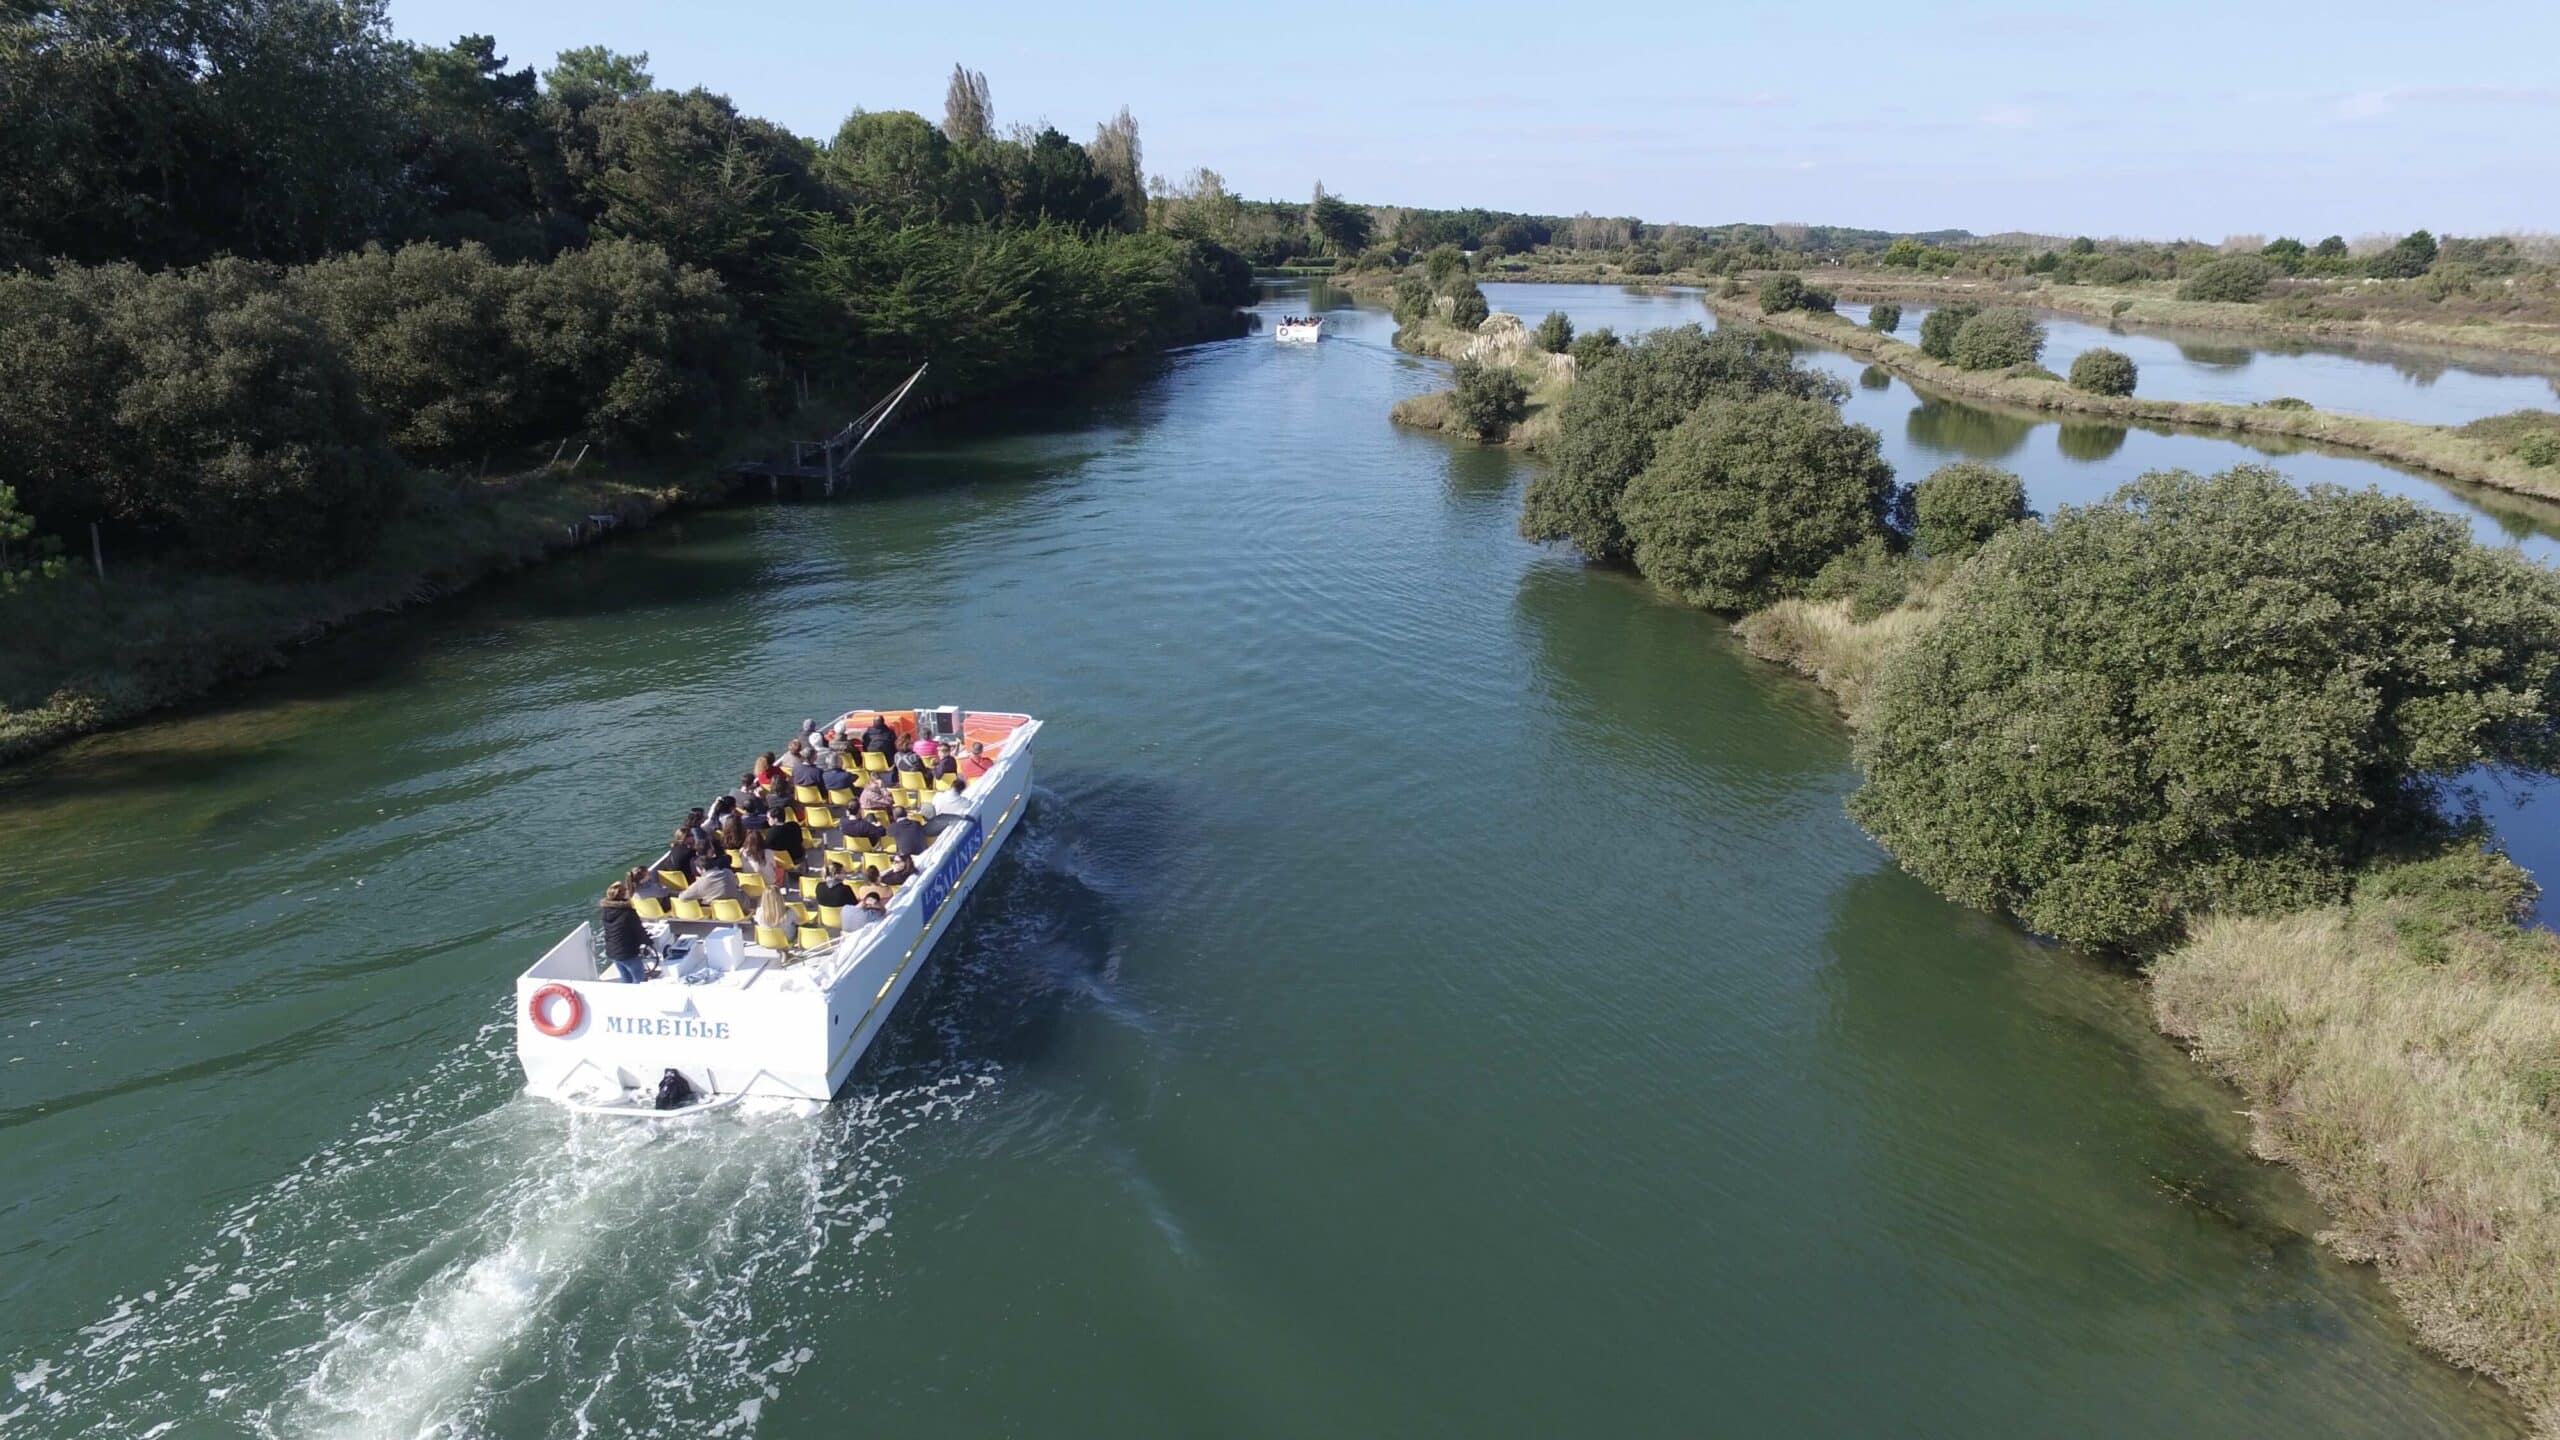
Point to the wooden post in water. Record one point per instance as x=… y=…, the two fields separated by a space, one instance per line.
x=97 y=552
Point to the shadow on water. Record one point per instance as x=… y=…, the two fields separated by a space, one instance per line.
x=2216 y=357
x=1875 y=377
x=1479 y=473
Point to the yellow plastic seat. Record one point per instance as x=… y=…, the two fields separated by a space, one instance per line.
x=675 y=878
x=772 y=939
x=813 y=938
x=878 y=860
x=874 y=763
x=831 y=916
x=690 y=909
x=911 y=780
x=807 y=795
x=819 y=817
x=729 y=910
x=946 y=782
x=809 y=886
x=751 y=882
x=648 y=907
x=841 y=799
x=735 y=863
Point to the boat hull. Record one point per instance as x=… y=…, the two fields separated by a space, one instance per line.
x=787 y=1032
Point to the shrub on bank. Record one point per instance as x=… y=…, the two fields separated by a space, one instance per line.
x=1997 y=339
x=1467 y=307
x=1959 y=508
x=1412 y=299
x=1884 y=318
x=1592 y=347
x=1615 y=414
x=1749 y=498
x=1490 y=399
x=2239 y=280
x=2203 y=695
x=2532 y=436
x=1555 y=333
x=1872 y=576
x=2103 y=372
x=1938 y=329
x=1787 y=291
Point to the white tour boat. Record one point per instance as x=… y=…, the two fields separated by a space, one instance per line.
x=1301 y=330
x=741 y=1011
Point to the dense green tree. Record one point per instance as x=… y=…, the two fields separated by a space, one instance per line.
x=1746 y=500
x=1938 y=329
x=1443 y=263
x=2408 y=258
x=2285 y=253
x=896 y=161
x=2083 y=245
x=627 y=344
x=2103 y=372
x=1467 y=308
x=1592 y=347
x=1489 y=400
x=1782 y=291
x=582 y=76
x=2239 y=280
x=2331 y=248
x=428 y=331
x=482 y=157
x=1617 y=412
x=1555 y=333
x=1341 y=228
x=1412 y=299
x=1903 y=254
x=1885 y=317
x=2204 y=694
x=167 y=131
x=1998 y=339
x=196 y=406
x=1957 y=508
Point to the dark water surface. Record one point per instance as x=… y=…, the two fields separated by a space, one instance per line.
x=1437 y=992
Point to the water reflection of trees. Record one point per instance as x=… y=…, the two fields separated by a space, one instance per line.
x=1654 y=686
x=2218 y=357
x=2083 y=441
x=1949 y=427
x=1875 y=377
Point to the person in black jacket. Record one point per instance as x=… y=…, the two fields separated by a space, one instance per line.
x=625 y=938
x=908 y=834
x=784 y=834
x=878 y=738
x=835 y=890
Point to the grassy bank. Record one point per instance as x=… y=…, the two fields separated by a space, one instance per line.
x=89 y=654
x=2439 y=449
x=1500 y=341
x=2401 y=1052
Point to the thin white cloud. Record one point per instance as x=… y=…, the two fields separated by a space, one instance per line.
x=2007 y=117
x=2366 y=104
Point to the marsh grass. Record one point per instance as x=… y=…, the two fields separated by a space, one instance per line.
x=2402 y=1052
x=1823 y=640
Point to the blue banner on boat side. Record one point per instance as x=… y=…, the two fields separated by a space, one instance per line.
x=973 y=836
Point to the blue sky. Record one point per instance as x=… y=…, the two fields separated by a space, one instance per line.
x=2168 y=119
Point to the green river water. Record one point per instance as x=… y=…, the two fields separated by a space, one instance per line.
x=1436 y=992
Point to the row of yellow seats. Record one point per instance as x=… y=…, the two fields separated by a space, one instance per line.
x=817 y=923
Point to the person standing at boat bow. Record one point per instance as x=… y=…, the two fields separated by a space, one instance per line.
x=626 y=940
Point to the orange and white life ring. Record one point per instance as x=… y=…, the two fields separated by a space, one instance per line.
x=539 y=1010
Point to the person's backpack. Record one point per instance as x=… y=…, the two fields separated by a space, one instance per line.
x=674 y=1091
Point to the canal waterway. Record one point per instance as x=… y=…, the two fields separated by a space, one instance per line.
x=1437 y=991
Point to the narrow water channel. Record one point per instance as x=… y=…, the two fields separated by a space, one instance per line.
x=1437 y=992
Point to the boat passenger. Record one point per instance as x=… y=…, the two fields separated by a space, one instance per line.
x=835 y=890
x=859 y=826
x=907 y=832
x=870 y=909
x=878 y=738
x=943 y=765
x=755 y=856
x=772 y=914
x=768 y=769
x=975 y=764
x=906 y=758
x=835 y=776
x=900 y=871
x=733 y=832
x=717 y=881
x=875 y=796
x=625 y=938
x=644 y=883
x=684 y=852
x=745 y=792
x=784 y=835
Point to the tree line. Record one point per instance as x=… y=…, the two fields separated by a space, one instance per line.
x=262 y=259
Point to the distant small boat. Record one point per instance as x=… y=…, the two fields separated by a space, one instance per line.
x=1300 y=330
